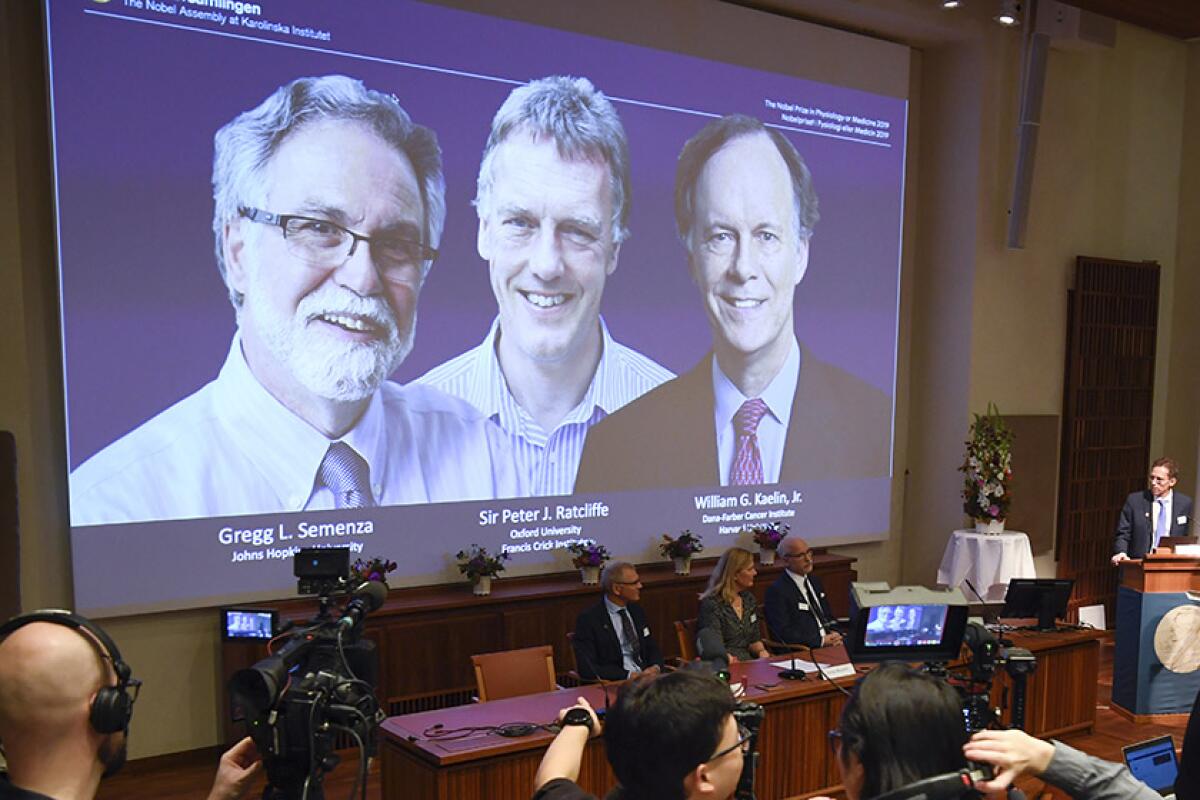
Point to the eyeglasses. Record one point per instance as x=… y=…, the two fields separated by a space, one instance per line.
x=835 y=739
x=328 y=245
x=743 y=742
x=801 y=554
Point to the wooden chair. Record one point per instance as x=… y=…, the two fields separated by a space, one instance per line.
x=512 y=673
x=685 y=632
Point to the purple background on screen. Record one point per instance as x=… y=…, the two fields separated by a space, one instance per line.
x=146 y=318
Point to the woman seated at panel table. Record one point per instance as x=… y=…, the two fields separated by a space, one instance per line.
x=728 y=606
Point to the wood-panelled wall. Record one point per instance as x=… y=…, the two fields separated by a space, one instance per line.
x=1108 y=398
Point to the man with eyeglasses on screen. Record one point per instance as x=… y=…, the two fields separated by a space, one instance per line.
x=329 y=204
x=797 y=610
x=668 y=736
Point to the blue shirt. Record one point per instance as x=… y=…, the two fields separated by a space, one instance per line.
x=546 y=460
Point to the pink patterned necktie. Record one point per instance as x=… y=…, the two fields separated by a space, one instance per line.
x=347 y=475
x=747 y=462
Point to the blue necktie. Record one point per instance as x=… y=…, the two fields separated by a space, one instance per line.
x=1161 y=530
x=347 y=475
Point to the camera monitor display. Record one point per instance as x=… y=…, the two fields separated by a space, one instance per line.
x=908 y=623
x=1044 y=598
x=406 y=278
x=248 y=623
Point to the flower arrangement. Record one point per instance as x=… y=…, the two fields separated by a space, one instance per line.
x=768 y=536
x=374 y=570
x=476 y=562
x=988 y=467
x=685 y=546
x=588 y=554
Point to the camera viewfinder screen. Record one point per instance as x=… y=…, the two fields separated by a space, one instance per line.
x=905 y=626
x=245 y=624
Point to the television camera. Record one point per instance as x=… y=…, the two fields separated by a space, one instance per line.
x=316 y=684
x=913 y=623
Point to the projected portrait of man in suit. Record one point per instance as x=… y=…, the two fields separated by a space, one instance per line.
x=760 y=408
x=553 y=203
x=328 y=210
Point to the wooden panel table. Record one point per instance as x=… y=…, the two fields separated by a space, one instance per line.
x=795 y=761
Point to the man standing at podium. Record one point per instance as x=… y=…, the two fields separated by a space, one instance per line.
x=1152 y=513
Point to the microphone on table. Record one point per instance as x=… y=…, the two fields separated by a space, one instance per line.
x=711 y=649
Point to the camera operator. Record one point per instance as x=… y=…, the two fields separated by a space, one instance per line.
x=1014 y=753
x=898 y=727
x=672 y=737
x=66 y=699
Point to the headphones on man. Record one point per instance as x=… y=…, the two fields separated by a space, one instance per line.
x=112 y=707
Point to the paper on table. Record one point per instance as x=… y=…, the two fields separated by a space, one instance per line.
x=831 y=670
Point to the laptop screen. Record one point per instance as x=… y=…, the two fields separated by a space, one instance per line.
x=1153 y=763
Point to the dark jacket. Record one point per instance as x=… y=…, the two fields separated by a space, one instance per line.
x=786 y=620
x=598 y=650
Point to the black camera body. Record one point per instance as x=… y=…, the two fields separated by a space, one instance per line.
x=317 y=685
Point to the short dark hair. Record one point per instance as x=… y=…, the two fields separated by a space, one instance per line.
x=1171 y=467
x=715 y=135
x=902 y=725
x=662 y=728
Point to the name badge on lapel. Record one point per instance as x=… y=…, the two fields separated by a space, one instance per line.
x=645 y=631
x=802 y=606
x=1181 y=520
x=754 y=617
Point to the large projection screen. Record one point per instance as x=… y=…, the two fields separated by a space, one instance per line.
x=197 y=433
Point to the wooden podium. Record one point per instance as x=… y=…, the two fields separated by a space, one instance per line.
x=1156 y=666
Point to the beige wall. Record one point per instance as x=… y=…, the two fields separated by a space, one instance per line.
x=1116 y=176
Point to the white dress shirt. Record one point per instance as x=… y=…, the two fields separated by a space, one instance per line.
x=772 y=430
x=232 y=448
x=810 y=597
x=547 y=461
x=614 y=614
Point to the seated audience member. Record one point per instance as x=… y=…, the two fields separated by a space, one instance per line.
x=1187 y=782
x=66 y=699
x=898 y=727
x=612 y=638
x=667 y=738
x=728 y=606
x=1014 y=753
x=797 y=610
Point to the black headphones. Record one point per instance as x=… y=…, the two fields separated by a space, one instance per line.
x=112 y=707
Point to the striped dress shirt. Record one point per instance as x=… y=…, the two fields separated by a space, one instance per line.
x=546 y=460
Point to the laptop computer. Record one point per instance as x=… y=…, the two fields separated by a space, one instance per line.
x=1153 y=763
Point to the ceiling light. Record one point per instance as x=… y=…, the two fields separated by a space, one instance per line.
x=1010 y=13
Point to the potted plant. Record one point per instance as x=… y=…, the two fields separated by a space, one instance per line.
x=987 y=471
x=681 y=549
x=480 y=567
x=374 y=570
x=768 y=537
x=589 y=558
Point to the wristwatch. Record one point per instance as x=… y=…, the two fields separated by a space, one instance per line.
x=577 y=716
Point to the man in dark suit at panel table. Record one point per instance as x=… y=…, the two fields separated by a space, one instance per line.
x=612 y=638
x=797 y=610
x=1152 y=513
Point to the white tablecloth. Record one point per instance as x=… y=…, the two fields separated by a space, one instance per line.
x=988 y=560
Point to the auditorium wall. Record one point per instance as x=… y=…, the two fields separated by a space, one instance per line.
x=1116 y=176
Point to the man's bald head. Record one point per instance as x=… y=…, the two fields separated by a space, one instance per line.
x=49 y=674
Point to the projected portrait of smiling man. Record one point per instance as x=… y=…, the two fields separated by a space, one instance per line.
x=760 y=408
x=329 y=204
x=553 y=202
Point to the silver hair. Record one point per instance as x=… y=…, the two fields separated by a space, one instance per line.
x=580 y=120
x=244 y=147
x=611 y=572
